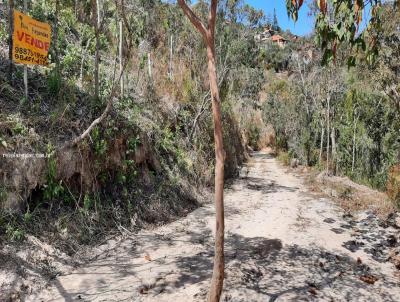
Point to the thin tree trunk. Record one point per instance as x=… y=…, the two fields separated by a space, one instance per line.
x=149 y=66
x=10 y=39
x=25 y=66
x=334 y=155
x=120 y=57
x=327 y=131
x=171 y=54
x=97 y=54
x=208 y=34
x=56 y=38
x=218 y=271
x=322 y=143
x=354 y=146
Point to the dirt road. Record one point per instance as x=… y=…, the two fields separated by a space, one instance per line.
x=282 y=244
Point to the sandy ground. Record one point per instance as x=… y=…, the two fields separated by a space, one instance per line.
x=282 y=244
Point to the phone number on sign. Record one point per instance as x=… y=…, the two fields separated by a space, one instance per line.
x=24 y=54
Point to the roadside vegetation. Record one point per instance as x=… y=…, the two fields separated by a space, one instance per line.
x=344 y=121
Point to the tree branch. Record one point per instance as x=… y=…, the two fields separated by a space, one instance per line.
x=98 y=120
x=212 y=17
x=193 y=18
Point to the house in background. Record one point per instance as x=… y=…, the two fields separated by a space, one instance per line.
x=279 y=40
x=269 y=35
x=265 y=35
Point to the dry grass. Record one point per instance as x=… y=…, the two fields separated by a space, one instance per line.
x=352 y=197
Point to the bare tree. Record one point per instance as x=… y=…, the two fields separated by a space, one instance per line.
x=208 y=34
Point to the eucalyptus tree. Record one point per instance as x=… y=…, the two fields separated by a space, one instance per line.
x=208 y=34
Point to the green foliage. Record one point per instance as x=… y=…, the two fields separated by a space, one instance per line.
x=284 y=158
x=53 y=188
x=88 y=202
x=254 y=136
x=338 y=23
x=54 y=82
x=17 y=125
x=3 y=194
x=363 y=123
x=3 y=32
x=100 y=145
x=132 y=144
x=14 y=232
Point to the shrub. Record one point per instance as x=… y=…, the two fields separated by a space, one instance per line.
x=393 y=184
x=284 y=158
x=54 y=83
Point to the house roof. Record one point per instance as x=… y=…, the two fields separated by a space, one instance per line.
x=278 y=38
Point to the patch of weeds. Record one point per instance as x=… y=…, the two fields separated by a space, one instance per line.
x=346 y=193
x=167 y=140
x=121 y=178
x=132 y=144
x=14 y=232
x=54 y=82
x=103 y=177
x=182 y=159
x=99 y=144
x=53 y=188
x=88 y=202
x=254 y=136
x=284 y=158
x=3 y=194
x=18 y=127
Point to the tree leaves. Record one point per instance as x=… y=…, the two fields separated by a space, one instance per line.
x=338 y=23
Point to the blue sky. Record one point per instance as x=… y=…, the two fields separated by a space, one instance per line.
x=304 y=24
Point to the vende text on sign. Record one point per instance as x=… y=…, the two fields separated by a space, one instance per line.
x=31 y=40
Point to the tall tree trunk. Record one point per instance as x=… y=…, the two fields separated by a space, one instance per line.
x=218 y=271
x=97 y=54
x=171 y=54
x=208 y=34
x=10 y=38
x=327 y=131
x=25 y=66
x=322 y=142
x=354 y=146
x=56 y=38
x=121 y=44
x=334 y=154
